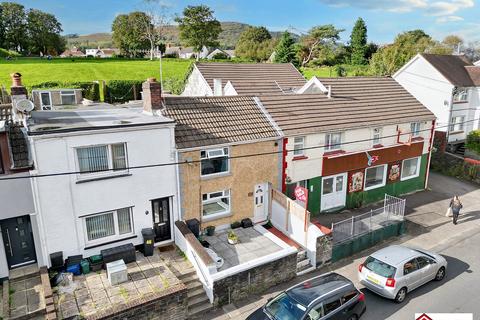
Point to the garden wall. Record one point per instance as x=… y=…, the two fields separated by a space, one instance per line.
x=455 y=166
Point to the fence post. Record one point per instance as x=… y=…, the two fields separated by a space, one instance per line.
x=353 y=225
x=371 y=214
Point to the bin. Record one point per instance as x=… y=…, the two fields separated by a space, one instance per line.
x=85 y=266
x=148 y=241
x=194 y=226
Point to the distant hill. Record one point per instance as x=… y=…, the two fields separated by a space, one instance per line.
x=228 y=38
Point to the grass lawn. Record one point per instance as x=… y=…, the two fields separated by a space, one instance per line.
x=35 y=70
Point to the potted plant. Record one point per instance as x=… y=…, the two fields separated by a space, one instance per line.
x=210 y=230
x=235 y=225
x=232 y=237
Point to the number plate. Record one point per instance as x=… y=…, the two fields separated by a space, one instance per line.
x=372 y=279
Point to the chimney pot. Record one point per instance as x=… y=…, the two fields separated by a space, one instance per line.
x=16 y=79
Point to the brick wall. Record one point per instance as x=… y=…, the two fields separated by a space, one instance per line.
x=255 y=280
x=170 y=304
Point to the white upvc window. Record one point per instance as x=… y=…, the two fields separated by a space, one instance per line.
x=376 y=136
x=102 y=159
x=110 y=225
x=214 y=161
x=415 y=129
x=298 y=146
x=375 y=177
x=216 y=204
x=333 y=141
x=67 y=97
x=410 y=168
x=457 y=123
x=461 y=95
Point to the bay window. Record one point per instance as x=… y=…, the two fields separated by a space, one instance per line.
x=109 y=225
x=216 y=203
x=96 y=159
x=375 y=177
x=410 y=168
x=214 y=161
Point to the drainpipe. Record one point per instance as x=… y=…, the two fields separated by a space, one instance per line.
x=430 y=147
x=450 y=112
x=284 y=165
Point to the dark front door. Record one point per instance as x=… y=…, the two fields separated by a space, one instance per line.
x=161 y=219
x=18 y=241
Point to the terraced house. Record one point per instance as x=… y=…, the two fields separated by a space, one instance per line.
x=353 y=142
x=229 y=153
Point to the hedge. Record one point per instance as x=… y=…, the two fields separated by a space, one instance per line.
x=122 y=90
x=473 y=141
x=4 y=53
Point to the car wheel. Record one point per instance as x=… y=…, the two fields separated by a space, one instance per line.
x=401 y=294
x=440 y=274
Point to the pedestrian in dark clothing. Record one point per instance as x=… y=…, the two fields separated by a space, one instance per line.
x=456 y=205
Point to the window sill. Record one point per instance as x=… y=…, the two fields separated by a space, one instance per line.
x=457 y=132
x=408 y=178
x=299 y=158
x=215 y=175
x=373 y=187
x=379 y=145
x=417 y=139
x=98 y=178
x=460 y=101
x=216 y=216
x=109 y=242
x=334 y=152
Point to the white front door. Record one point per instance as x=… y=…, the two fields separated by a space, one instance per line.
x=46 y=100
x=334 y=191
x=260 y=202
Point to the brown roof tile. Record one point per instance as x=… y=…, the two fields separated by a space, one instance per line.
x=474 y=73
x=356 y=102
x=285 y=75
x=204 y=121
x=451 y=67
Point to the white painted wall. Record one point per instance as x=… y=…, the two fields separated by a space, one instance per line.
x=3 y=260
x=197 y=85
x=311 y=167
x=61 y=201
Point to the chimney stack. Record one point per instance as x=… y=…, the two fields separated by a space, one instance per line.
x=217 y=87
x=152 y=96
x=17 y=89
x=329 y=93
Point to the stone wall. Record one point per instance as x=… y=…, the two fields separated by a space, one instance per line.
x=170 y=304
x=324 y=250
x=241 y=285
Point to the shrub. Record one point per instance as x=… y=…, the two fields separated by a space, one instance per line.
x=473 y=141
x=4 y=53
x=122 y=90
x=220 y=56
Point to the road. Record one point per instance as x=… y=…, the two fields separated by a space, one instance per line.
x=458 y=292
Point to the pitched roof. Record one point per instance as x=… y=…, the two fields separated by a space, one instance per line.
x=452 y=68
x=474 y=73
x=284 y=74
x=204 y=121
x=243 y=87
x=355 y=102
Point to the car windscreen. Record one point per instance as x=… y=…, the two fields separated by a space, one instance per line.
x=284 y=307
x=381 y=268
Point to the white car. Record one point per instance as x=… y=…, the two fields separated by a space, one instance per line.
x=395 y=270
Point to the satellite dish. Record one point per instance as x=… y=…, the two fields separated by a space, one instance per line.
x=24 y=105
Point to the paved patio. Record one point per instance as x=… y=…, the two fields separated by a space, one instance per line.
x=252 y=245
x=92 y=293
x=26 y=297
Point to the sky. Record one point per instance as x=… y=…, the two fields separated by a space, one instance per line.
x=384 y=18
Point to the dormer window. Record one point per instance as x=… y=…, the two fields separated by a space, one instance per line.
x=460 y=95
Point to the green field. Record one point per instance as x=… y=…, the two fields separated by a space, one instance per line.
x=330 y=71
x=35 y=70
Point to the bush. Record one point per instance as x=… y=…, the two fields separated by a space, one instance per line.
x=473 y=141
x=122 y=90
x=220 y=56
x=4 y=53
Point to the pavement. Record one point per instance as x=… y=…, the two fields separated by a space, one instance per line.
x=428 y=228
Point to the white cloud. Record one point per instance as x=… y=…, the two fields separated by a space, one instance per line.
x=446 y=19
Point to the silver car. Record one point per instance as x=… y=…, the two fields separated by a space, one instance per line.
x=395 y=270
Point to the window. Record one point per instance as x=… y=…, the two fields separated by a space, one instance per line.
x=423 y=262
x=348 y=296
x=461 y=94
x=375 y=177
x=415 y=129
x=333 y=141
x=68 y=97
x=377 y=136
x=216 y=203
x=214 y=161
x=457 y=124
x=284 y=307
x=410 y=168
x=109 y=224
x=331 y=306
x=315 y=313
x=298 y=146
x=381 y=268
x=410 y=267
x=100 y=158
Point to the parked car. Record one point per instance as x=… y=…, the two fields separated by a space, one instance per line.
x=394 y=271
x=329 y=296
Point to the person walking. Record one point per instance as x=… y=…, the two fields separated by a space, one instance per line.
x=455 y=205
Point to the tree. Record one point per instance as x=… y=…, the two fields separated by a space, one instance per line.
x=129 y=33
x=317 y=36
x=255 y=43
x=14 y=26
x=156 y=19
x=358 y=42
x=198 y=27
x=454 y=42
x=44 y=33
x=285 y=50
